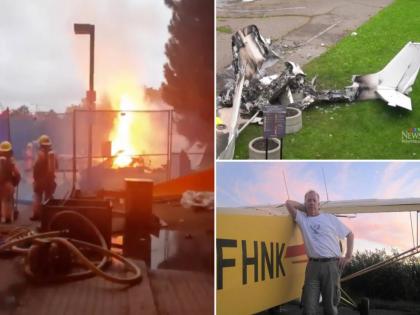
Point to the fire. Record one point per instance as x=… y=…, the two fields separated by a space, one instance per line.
x=123 y=146
x=135 y=134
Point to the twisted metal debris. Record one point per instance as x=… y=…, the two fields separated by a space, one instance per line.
x=247 y=90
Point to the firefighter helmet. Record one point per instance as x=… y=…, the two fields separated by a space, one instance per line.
x=44 y=140
x=5 y=146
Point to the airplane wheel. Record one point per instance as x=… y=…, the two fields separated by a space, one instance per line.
x=364 y=306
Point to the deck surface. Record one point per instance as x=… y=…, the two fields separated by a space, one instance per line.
x=172 y=288
x=182 y=292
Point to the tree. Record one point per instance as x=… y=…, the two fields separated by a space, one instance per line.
x=189 y=72
x=22 y=111
x=152 y=95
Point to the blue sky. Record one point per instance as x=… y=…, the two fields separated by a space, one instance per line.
x=250 y=183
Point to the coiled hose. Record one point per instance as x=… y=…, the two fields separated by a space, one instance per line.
x=22 y=235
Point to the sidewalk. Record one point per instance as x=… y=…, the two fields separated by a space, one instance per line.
x=318 y=23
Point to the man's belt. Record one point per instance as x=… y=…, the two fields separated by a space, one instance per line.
x=323 y=259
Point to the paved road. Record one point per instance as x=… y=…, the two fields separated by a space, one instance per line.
x=288 y=22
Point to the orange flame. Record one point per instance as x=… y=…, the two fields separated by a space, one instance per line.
x=134 y=133
x=122 y=141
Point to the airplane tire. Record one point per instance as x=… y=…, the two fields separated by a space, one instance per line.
x=293 y=122
x=364 y=306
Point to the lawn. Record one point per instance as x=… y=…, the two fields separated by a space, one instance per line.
x=360 y=130
x=224 y=29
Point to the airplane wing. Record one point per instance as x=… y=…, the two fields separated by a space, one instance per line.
x=371 y=205
x=336 y=207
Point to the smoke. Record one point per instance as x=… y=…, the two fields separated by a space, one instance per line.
x=43 y=62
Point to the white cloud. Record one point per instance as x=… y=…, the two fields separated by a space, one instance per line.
x=399 y=180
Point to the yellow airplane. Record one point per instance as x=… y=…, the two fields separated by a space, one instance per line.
x=261 y=257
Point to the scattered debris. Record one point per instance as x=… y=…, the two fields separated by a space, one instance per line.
x=247 y=89
x=353 y=34
x=257 y=120
x=251 y=51
x=198 y=199
x=291 y=88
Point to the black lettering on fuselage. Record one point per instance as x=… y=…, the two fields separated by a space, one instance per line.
x=221 y=262
x=249 y=261
x=279 y=264
x=268 y=261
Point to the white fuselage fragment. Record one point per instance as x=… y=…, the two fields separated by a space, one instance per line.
x=393 y=83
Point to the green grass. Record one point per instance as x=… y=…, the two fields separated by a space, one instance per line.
x=361 y=130
x=225 y=29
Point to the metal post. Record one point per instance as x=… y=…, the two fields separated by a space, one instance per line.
x=138 y=203
x=266 y=148
x=91 y=101
x=92 y=61
x=281 y=148
x=170 y=142
x=8 y=122
x=89 y=29
x=73 y=189
x=168 y=160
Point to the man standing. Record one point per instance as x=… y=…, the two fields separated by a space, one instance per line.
x=321 y=234
x=9 y=179
x=44 y=175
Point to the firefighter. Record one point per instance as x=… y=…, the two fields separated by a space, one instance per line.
x=9 y=179
x=28 y=157
x=44 y=175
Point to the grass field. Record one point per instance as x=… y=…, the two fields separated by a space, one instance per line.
x=225 y=29
x=361 y=130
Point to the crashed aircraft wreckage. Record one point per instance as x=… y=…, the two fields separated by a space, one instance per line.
x=248 y=90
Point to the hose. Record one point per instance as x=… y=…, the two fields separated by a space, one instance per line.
x=92 y=267
x=12 y=243
x=23 y=235
x=82 y=274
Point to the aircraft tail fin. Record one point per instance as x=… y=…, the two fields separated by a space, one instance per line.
x=394 y=98
x=401 y=72
x=393 y=83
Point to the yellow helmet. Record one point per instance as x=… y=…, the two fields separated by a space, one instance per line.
x=44 y=140
x=5 y=146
